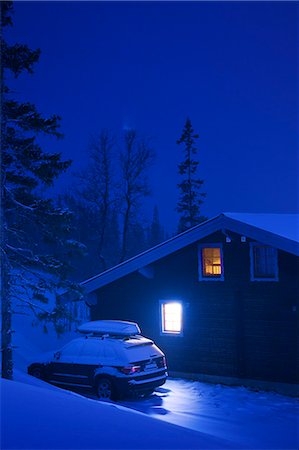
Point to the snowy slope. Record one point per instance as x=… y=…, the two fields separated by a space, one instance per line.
x=237 y=417
x=38 y=418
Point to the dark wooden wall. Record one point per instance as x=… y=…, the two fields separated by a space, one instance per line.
x=235 y=327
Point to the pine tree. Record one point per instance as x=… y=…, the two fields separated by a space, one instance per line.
x=33 y=230
x=156 y=232
x=191 y=197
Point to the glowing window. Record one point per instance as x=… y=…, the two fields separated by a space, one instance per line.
x=211 y=262
x=172 y=317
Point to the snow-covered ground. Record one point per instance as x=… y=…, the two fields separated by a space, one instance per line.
x=35 y=414
x=36 y=417
x=255 y=420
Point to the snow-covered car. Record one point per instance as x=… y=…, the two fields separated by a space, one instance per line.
x=111 y=357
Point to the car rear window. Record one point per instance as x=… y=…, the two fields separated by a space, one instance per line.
x=141 y=352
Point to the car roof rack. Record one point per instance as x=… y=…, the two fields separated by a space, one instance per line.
x=109 y=328
x=111 y=336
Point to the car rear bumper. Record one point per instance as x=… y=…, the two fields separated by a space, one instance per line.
x=141 y=384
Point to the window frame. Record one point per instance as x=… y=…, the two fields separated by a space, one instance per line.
x=161 y=318
x=201 y=276
x=253 y=277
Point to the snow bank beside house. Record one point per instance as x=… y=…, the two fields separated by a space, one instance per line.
x=36 y=417
x=30 y=339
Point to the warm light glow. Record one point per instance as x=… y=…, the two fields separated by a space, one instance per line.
x=211 y=262
x=172 y=317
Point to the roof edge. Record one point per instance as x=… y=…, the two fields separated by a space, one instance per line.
x=156 y=247
x=188 y=237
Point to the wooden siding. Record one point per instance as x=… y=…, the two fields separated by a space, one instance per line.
x=235 y=328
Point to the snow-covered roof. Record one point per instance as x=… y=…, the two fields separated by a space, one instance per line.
x=278 y=230
x=284 y=225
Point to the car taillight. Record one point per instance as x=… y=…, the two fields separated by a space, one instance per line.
x=128 y=370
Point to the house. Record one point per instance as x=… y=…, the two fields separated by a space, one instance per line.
x=220 y=299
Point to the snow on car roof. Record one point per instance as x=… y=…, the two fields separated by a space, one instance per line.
x=118 y=327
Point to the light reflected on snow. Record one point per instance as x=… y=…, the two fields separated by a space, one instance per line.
x=239 y=415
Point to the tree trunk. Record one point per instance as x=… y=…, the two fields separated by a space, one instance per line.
x=6 y=315
x=125 y=234
x=104 y=226
x=6 y=310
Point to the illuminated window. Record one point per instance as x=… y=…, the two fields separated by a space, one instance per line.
x=264 y=265
x=171 y=317
x=210 y=262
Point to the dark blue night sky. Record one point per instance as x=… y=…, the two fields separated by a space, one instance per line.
x=231 y=67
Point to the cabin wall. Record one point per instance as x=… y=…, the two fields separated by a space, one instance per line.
x=233 y=328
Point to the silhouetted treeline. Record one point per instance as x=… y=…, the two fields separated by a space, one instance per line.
x=107 y=203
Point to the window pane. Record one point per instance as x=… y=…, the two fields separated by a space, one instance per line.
x=211 y=262
x=264 y=261
x=172 y=317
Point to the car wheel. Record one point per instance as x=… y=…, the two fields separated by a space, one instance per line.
x=37 y=372
x=148 y=393
x=105 y=389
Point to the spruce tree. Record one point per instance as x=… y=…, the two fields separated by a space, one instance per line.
x=33 y=230
x=156 y=232
x=191 y=195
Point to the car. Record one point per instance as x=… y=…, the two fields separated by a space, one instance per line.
x=110 y=357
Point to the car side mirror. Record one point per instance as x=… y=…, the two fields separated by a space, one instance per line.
x=57 y=355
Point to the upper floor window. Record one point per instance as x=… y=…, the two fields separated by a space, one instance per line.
x=211 y=262
x=264 y=266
